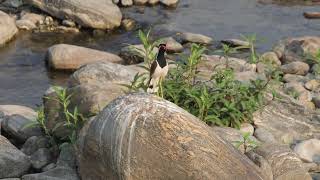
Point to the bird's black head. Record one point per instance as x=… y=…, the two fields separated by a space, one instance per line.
x=163 y=47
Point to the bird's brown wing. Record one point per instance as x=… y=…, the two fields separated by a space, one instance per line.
x=153 y=67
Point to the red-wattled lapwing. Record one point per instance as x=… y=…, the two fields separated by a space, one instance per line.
x=158 y=70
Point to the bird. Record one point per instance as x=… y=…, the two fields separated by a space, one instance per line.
x=158 y=70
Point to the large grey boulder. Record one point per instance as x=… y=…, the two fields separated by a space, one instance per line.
x=13 y=163
x=145 y=137
x=98 y=14
x=70 y=57
x=8 y=28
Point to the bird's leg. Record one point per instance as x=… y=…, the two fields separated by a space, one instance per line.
x=161 y=88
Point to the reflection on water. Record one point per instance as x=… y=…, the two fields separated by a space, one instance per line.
x=24 y=78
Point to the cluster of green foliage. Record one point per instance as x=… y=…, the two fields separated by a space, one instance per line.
x=247 y=142
x=73 y=120
x=221 y=101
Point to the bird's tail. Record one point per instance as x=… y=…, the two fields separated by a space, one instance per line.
x=153 y=86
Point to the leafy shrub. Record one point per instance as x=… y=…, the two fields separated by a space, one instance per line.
x=247 y=142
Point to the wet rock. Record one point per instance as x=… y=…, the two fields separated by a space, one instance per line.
x=285 y=164
x=313 y=85
x=140 y=2
x=17 y=127
x=13 y=163
x=261 y=163
x=8 y=28
x=134 y=54
x=68 y=23
x=309 y=150
x=151 y=137
x=64 y=29
x=264 y=136
x=58 y=173
x=98 y=14
x=41 y=158
x=247 y=76
x=169 y=3
x=128 y=24
x=34 y=143
x=25 y=25
x=172 y=45
x=24 y=111
x=247 y=128
x=70 y=57
x=297 y=90
x=272 y=58
x=29 y=21
x=311 y=15
x=195 y=38
x=287 y=120
x=235 y=43
x=126 y=2
x=298 y=68
x=95 y=85
x=153 y=2
x=294 y=78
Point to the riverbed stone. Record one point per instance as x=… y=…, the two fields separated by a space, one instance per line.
x=295 y=78
x=8 y=28
x=13 y=163
x=24 y=111
x=128 y=24
x=140 y=2
x=34 y=143
x=298 y=68
x=98 y=14
x=169 y=3
x=287 y=120
x=247 y=128
x=313 y=85
x=25 y=25
x=272 y=58
x=126 y=2
x=134 y=54
x=58 y=173
x=172 y=45
x=41 y=158
x=68 y=23
x=264 y=135
x=309 y=150
x=236 y=43
x=154 y=139
x=18 y=127
x=285 y=164
x=153 y=2
x=70 y=57
x=195 y=38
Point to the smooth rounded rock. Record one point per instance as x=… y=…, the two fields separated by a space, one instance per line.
x=298 y=68
x=309 y=150
x=195 y=38
x=8 y=28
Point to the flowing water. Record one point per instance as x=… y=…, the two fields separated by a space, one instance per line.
x=24 y=77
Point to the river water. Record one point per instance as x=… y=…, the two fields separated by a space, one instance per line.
x=24 y=77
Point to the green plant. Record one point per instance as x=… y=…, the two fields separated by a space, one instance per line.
x=252 y=41
x=40 y=121
x=138 y=83
x=247 y=142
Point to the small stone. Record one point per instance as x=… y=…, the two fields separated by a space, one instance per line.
x=272 y=58
x=294 y=87
x=128 y=24
x=25 y=25
x=140 y=2
x=294 y=78
x=48 y=167
x=247 y=128
x=236 y=43
x=153 y=2
x=68 y=23
x=115 y=1
x=126 y=2
x=34 y=143
x=196 y=38
x=309 y=150
x=316 y=101
x=64 y=29
x=313 y=85
x=41 y=158
x=172 y=45
x=169 y=3
x=299 y=68
x=48 y=20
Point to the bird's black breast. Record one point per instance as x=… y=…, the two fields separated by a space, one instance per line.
x=161 y=59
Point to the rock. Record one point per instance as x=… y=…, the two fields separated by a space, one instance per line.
x=126 y=2
x=195 y=38
x=313 y=85
x=128 y=24
x=172 y=45
x=13 y=163
x=233 y=136
x=316 y=101
x=294 y=78
x=297 y=90
x=311 y=15
x=17 y=127
x=261 y=163
x=11 y=179
x=34 y=143
x=48 y=167
x=25 y=25
x=262 y=68
x=68 y=23
x=264 y=136
x=153 y=2
x=309 y=150
x=247 y=128
x=41 y=158
x=12 y=3
x=98 y=14
x=24 y=111
x=134 y=54
x=140 y=2
x=315 y=69
x=285 y=164
x=48 y=20
x=58 y=173
x=67 y=157
x=115 y=1
x=247 y=76
x=169 y=3
x=287 y=120
x=279 y=48
x=272 y=58
x=315 y=176
x=299 y=68
x=64 y=29
x=70 y=57
x=235 y=43
x=8 y=28
x=154 y=139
